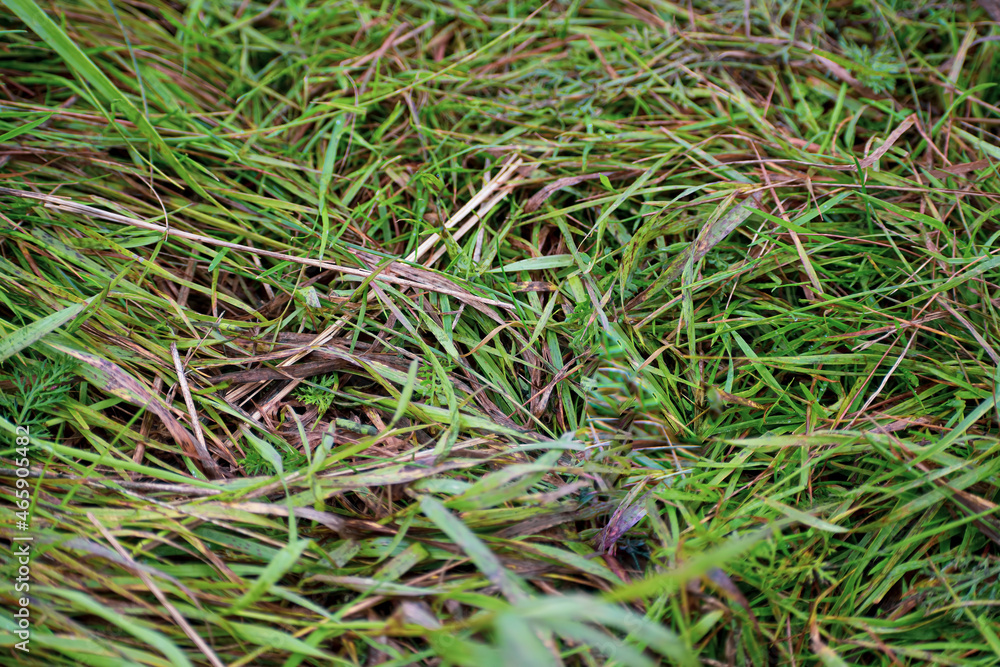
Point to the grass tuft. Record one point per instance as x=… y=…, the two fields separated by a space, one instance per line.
x=494 y=333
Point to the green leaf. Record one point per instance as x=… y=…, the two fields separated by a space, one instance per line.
x=22 y=129
x=536 y=264
x=34 y=332
x=124 y=622
x=40 y=23
x=282 y=562
x=804 y=517
x=262 y=635
x=267 y=452
x=692 y=568
x=510 y=584
x=519 y=644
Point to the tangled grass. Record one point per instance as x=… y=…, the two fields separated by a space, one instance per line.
x=485 y=334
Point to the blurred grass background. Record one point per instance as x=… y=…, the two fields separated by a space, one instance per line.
x=574 y=333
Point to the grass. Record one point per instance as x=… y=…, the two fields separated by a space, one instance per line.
x=495 y=333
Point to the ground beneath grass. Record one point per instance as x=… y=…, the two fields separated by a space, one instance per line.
x=575 y=333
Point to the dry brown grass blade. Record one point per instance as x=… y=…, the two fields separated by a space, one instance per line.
x=66 y=205
x=473 y=220
x=889 y=141
x=155 y=590
x=117 y=382
x=537 y=199
x=504 y=175
x=211 y=468
x=294 y=372
x=331 y=521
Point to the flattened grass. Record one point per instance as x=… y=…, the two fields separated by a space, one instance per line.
x=583 y=333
